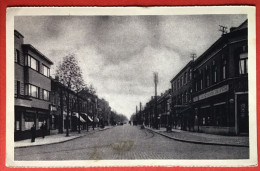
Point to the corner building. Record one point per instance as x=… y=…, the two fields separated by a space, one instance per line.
x=220 y=89
x=32 y=88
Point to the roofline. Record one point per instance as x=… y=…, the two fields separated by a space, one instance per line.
x=186 y=66
x=37 y=51
x=217 y=42
x=15 y=31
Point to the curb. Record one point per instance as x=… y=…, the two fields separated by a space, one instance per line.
x=196 y=142
x=61 y=141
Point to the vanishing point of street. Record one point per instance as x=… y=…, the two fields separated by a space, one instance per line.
x=128 y=142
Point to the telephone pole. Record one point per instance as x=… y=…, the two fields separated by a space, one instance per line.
x=193 y=56
x=155 y=109
x=223 y=29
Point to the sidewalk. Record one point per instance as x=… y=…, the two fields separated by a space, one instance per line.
x=56 y=138
x=203 y=138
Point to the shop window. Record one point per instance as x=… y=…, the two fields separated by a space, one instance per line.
x=41 y=120
x=29 y=121
x=17 y=125
x=243 y=68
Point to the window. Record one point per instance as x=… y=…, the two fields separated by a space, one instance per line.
x=215 y=75
x=243 y=69
x=224 y=72
x=207 y=80
x=190 y=74
x=17 y=56
x=31 y=90
x=182 y=81
x=46 y=71
x=31 y=62
x=18 y=88
x=224 y=69
x=46 y=95
x=201 y=86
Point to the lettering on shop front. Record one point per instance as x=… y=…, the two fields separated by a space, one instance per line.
x=211 y=93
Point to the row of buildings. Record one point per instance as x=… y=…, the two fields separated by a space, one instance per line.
x=209 y=94
x=40 y=99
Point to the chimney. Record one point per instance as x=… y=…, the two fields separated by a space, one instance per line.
x=57 y=78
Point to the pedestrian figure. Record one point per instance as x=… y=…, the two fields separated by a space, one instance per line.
x=33 y=132
x=43 y=130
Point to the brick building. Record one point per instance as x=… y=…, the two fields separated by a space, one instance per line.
x=32 y=88
x=220 y=90
x=163 y=108
x=181 y=85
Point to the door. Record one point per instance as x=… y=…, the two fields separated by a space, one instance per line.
x=242 y=112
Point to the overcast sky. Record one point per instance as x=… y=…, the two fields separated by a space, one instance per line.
x=118 y=54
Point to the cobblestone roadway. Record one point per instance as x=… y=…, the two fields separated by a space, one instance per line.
x=128 y=142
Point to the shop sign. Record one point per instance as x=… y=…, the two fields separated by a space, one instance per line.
x=211 y=93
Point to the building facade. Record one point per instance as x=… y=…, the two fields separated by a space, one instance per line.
x=220 y=90
x=181 y=85
x=32 y=88
x=71 y=109
x=163 y=108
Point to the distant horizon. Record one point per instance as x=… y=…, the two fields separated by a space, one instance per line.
x=118 y=54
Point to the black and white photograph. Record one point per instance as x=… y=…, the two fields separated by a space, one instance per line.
x=131 y=86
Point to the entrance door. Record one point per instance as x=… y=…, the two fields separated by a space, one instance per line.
x=242 y=112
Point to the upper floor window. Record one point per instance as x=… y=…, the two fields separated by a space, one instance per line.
x=17 y=56
x=46 y=95
x=207 y=83
x=46 y=71
x=224 y=72
x=243 y=69
x=31 y=90
x=215 y=75
x=182 y=81
x=190 y=74
x=31 y=62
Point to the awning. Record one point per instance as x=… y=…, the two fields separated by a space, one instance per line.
x=96 y=119
x=89 y=118
x=77 y=115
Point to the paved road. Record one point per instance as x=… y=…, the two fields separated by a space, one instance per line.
x=128 y=142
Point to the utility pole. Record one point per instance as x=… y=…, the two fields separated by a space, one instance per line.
x=193 y=56
x=155 y=92
x=141 y=117
x=223 y=29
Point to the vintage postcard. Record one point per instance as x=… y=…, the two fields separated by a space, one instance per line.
x=131 y=86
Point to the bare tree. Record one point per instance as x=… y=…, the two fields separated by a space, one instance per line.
x=70 y=75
